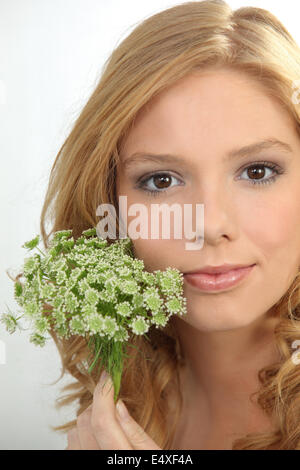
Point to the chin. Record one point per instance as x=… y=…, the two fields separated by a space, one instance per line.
x=217 y=322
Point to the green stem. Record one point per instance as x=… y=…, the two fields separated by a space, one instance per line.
x=111 y=357
x=116 y=378
x=40 y=251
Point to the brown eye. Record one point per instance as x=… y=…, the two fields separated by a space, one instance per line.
x=262 y=173
x=162 y=181
x=256 y=172
x=157 y=183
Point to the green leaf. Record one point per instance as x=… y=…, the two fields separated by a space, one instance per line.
x=31 y=244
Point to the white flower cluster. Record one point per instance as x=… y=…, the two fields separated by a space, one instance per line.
x=94 y=288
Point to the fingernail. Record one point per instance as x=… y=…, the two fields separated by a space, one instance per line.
x=122 y=410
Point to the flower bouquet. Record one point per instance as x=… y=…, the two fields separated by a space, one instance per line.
x=95 y=289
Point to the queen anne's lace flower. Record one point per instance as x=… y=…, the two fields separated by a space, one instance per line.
x=174 y=306
x=92 y=296
x=9 y=322
x=124 y=309
x=37 y=339
x=77 y=325
x=41 y=324
x=139 y=325
x=31 y=264
x=71 y=302
x=32 y=308
x=59 y=316
x=153 y=299
x=95 y=323
x=129 y=287
x=92 y=288
x=110 y=325
x=160 y=319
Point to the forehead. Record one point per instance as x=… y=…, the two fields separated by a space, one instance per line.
x=206 y=107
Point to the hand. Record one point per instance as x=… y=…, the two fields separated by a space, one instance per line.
x=100 y=427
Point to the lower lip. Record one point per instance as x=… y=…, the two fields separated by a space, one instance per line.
x=217 y=282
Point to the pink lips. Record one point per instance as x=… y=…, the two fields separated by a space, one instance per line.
x=216 y=282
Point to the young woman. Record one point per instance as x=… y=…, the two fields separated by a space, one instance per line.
x=214 y=90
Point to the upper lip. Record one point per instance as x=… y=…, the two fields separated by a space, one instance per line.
x=218 y=269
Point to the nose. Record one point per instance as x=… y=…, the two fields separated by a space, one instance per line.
x=219 y=215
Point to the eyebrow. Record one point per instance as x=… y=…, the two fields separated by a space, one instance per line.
x=232 y=154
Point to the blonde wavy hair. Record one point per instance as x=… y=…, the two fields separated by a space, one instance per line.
x=167 y=46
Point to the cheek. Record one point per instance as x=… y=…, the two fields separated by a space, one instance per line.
x=274 y=230
x=156 y=254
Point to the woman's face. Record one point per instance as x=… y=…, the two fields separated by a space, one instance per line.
x=247 y=218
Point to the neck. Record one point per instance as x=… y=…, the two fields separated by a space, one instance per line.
x=226 y=363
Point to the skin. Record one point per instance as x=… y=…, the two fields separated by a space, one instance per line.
x=226 y=337
x=101 y=427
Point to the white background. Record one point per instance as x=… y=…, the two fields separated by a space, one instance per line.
x=51 y=56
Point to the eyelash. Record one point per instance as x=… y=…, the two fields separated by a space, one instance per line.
x=155 y=192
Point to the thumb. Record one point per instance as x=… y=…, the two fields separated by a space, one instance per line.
x=138 y=438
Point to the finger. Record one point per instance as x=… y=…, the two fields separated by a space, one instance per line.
x=138 y=438
x=85 y=432
x=106 y=427
x=73 y=440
